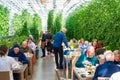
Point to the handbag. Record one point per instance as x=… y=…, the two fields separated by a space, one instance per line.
x=43 y=45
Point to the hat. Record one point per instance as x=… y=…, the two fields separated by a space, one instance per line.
x=16 y=45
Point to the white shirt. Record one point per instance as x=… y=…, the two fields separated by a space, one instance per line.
x=115 y=76
x=8 y=64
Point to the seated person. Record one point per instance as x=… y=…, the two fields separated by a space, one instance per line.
x=7 y=63
x=73 y=43
x=95 y=44
x=26 y=51
x=33 y=40
x=100 y=51
x=117 y=57
x=31 y=44
x=25 y=47
x=107 y=68
x=88 y=58
x=83 y=45
x=100 y=44
x=16 y=52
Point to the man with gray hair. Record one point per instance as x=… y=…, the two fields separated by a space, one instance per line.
x=59 y=38
x=107 y=68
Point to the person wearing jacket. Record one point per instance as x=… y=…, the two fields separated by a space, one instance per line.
x=43 y=44
x=15 y=52
x=87 y=58
x=107 y=68
x=59 y=38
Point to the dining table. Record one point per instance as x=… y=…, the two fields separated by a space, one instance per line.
x=83 y=74
x=23 y=71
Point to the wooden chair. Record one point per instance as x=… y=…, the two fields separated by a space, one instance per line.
x=103 y=78
x=4 y=75
x=74 y=60
x=58 y=75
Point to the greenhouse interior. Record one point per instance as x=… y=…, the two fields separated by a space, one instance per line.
x=59 y=40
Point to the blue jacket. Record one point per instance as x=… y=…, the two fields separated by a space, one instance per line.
x=117 y=62
x=106 y=70
x=59 y=38
x=21 y=57
x=84 y=57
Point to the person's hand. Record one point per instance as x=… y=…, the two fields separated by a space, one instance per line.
x=18 y=62
x=68 y=48
x=40 y=38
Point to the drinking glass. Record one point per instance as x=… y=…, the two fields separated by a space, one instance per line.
x=16 y=58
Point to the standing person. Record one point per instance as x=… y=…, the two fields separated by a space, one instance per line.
x=43 y=43
x=49 y=42
x=58 y=49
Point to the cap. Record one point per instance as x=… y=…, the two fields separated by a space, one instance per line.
x=16 y=45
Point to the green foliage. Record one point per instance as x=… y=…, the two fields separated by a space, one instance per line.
x=25 y=30
x=36 y=27
x=9 y=41
x=108 y=47
x=20 y=20
x=57 y=23
x=26 y=24
x=50 y=20
x=34 y=31
x=37 y=21
x=99 y=19
x=4 y=21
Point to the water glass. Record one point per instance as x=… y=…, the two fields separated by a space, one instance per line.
x=16 y=58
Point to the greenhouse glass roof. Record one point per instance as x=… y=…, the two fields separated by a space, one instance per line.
x=42 y=7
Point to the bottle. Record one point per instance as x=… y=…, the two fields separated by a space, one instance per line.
x=90 y=68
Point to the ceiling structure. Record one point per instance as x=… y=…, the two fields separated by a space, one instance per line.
x=41 y=7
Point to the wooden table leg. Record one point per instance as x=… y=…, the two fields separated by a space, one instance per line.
x=30 y=68
x=22 y=76
x=26 y=73
x=73 y=76
x=66 y=69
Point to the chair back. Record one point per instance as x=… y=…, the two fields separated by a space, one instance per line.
x=74 y=60
x=58 y=75
x=4 y=75
x=103 y=78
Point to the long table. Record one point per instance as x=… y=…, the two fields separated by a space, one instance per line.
x=23 y=71
x=81 y=74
